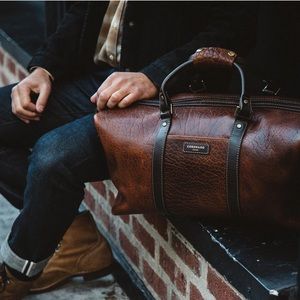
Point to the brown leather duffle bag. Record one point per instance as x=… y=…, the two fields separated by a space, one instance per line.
x=206 y=155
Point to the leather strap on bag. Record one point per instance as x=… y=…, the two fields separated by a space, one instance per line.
x=157 y=165
x=207 y=56
x=233 y=156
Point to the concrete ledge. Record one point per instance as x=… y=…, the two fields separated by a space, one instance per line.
x=261 y=263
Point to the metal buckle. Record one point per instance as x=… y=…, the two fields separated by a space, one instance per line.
x=270 y=88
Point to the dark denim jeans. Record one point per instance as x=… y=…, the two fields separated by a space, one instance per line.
x=43 y=168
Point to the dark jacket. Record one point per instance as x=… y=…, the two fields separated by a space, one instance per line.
x=157 y=36
x=275 y=56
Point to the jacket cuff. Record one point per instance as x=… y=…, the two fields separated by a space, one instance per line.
x=54 y=69
x=155 y=74
x=31 y=69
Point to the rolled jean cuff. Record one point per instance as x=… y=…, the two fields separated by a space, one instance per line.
x=26 y=267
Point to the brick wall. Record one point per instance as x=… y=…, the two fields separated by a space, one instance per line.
x=168 y=265
x=10 y=70
x=158 y=253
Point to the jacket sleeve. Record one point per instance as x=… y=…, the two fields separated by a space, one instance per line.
x=52 y=55
x=230 y=26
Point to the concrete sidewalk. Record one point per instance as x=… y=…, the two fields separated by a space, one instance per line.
x=104 y=288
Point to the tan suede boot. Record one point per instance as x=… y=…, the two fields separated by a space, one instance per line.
x=82 y=252
x=10 y=287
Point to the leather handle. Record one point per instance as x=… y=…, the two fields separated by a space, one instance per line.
x=210 y=57
x=214 y=56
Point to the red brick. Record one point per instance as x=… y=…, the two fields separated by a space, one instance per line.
x=167 y=263
x=111 y=198
x=113 y=230
x=89 y=200
x=188 y=257
x=174 y=296
x=130 y=250
x=21 y=74
x=176 y=276
x=1 y=56
x=143 y=236
x=125 y=218
x=155 y=281
x=195 y=293
x=4 y=79
x=180 y=281
x=159 y=223
x=11 y=65
x=219 y=287
x=102 y=215
x=100 y=187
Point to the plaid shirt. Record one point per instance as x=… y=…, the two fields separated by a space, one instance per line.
x=108 y=47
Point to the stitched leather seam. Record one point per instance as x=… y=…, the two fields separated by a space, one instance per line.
x=237 y=167
x=227 y=171
x=154 y=169
x=234 y=147
x=162 y=165
x=157 y=166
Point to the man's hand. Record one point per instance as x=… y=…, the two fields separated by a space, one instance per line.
x=122 y=89
x=22 y=105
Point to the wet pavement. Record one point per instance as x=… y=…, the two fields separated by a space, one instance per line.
x=105 y=288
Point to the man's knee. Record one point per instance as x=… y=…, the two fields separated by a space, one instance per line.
x=48 y=156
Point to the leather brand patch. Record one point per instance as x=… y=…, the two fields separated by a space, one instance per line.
x=197 y=148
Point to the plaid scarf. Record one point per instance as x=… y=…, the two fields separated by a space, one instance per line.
x=108 y=48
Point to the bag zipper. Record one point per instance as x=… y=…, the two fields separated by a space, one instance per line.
x=228 y=101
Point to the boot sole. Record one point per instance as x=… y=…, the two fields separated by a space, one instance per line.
x=86 y=277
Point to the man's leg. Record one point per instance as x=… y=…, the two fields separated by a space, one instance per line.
x=15 y=141
x=61 y=161
x=67 y=102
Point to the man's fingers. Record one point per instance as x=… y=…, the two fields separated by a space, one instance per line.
x=22 y=113
x=128 y=100
x=23 y=102
x=116 y=97
x=102 y=100
x=124 y=88
x=106 y=84
x=29 y=106
x=14 y=111
x=104 y=96
x=24 y=120
x=19 y=111
x=27 y=121
x=22 y=106
x=112 y=95
x=43 y=98
x=94 y=98
x=23 y=95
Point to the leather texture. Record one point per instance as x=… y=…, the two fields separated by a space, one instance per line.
x=82 y=252
x=10 y=287
x=195 y=184
x=209 y=168
x=211 y=56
